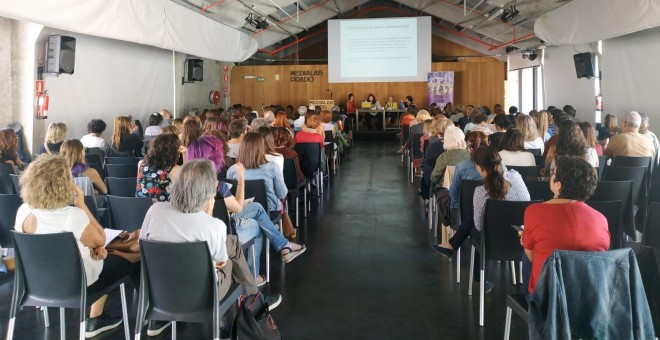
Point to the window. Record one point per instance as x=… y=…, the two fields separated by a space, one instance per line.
x=524 y=89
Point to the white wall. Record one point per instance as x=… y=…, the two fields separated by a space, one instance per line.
x=196 y=94
x=111 y=78
x=631 y=75
x=5 y=72
x=562 y=85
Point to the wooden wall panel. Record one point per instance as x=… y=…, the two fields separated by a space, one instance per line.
x=478 y=83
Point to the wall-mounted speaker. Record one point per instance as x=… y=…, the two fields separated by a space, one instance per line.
x=195 y=69
x=584 y=65
x=61 y=54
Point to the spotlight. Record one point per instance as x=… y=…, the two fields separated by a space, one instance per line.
x=532 y=56
x=257 y=22
x=510 y=49
x=509 y=14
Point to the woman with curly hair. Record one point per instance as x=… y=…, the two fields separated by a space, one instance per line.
x=9 y=149
x=570 y=143
x=93 y=139
x=564 y=222
x=532 y=138
x=158 y=168
x=74 y=153
x=284 y=146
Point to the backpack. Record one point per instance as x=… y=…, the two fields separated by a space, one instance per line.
x=254 y=321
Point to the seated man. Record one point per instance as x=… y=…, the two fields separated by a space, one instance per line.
x=630 y=142
x=188 y=218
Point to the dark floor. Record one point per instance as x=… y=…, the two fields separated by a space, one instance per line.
x=368 y=273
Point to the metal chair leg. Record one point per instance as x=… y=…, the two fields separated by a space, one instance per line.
x=297 y=210
x=254 y=260
x=521 y=274
x=46 y=318
x=458 y=265
x=124 y=311
x=507 y=323
x=83 y=327
x=62 y=325
x=482 y=296
x=173 y=330
x=471 y=270
x=513 y=271
x=267 y=260
x=10 y=328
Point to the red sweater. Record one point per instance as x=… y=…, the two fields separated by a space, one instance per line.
x=309 y=137
x=569 y=226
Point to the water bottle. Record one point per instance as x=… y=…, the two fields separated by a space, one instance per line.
x=401 y=106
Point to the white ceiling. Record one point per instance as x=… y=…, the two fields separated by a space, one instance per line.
x=292 y=21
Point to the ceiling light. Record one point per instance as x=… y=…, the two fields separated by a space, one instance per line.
x=532 y=56
x=259 y=23
x=510 y=49
x=509 y=14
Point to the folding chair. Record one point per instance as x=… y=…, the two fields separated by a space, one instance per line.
x=615 y=191
x=127 y=213
x=121 y=170
x=526 y=171
x=465 y=213
x=291 y=180
x=612 y=212
x=121 y=187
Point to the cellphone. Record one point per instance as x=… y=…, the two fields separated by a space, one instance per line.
x=518 y=227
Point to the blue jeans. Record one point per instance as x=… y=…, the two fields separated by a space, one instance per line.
x=252 y=218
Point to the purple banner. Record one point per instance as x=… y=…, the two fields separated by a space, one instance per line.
x=441 y=88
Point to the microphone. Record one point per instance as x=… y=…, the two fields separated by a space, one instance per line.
x=329 y=90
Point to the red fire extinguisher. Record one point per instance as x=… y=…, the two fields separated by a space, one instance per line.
x=42 y=105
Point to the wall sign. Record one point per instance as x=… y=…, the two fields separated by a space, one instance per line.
x=304 y=76
x=260 y=79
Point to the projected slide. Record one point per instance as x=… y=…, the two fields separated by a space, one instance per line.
x=378 y=48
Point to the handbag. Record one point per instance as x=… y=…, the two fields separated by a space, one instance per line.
x=254 y=321
x=126 y=245
x=287 y=226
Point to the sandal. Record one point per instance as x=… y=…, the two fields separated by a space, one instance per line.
x=292 y=254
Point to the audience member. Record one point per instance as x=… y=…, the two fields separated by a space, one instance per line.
x=302 y=112
x=74 y=153
x=630 y=142
x=559 y=117
x=455 y=152
x=9 y=149
x=269 y=118
x=312 y=122
x=609 y=128
x=269 y=144
x=281 y=121
x=481 y=124
x=158 y=169
x=155 y=122
x=462 y=122
x=257 y=123
x=55 y=136
x=422 y=116
x=167 y=117
x=237 y=129
x=458 y=115
x=595 y=149
x=644 y=130
x=191 y=131
x=188 y=217
x=123 y=142
x=532 y=138
x=542 y=121
x=432 y=152
x=570 y=143
x=564 y=222
x=569 y=110
x=47 y=192
x=512 y=150
x=501 y=124
x=284 y=146
x=93 y=139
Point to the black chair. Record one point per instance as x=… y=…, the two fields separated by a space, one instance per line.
x=127 y=213
x=405 y=138
x=5 y=171
x=121 y=187
x=220 y=212
x=540 y=161
x=465 y=213
x=415 y=152
x=535 y=152
x=309 y=155
x=539 y=190
x=499 y=241
x=122 y=160
x=330 y=151
x=514 y=303
x=654 y=193
x=178 y=282
x=93 y=158
x=602 y=164
x=121 y=170
x=615 y=191
x=640 y=188
x=90 y=202
x=41 y=260
x=9 y=205
x=291 y=181
x=16 y=183
x=625 y=161
x=526 y=171
x=651 y=236
x=612 y=212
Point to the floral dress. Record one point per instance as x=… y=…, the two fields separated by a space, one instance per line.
x=153 y=183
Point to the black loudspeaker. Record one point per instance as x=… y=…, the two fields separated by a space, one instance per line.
x=61 y=57
x=584 y=65
x=195 y=69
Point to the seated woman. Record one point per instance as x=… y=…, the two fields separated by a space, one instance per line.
x=455 y=152
x=250 y=218
x=564 y=222
x=123 y=141
x=481 y=124
x=307 y=134
x=252 y=157
x=498 y=184
x=188 y=217
x=532 y=138
x=157 y=170
x=72 y=150
x=154 y=128
x=93 y=139
x=9 y=149
x=55 y=136
x=570 y=143
x=512 y=150
x=284 y=146
x=594 y=149
x=271 y=154
x=432 y=152
x=48 y=190
x=282 y=121
x=237 y=129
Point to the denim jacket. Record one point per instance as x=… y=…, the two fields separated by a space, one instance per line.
x=590 y=295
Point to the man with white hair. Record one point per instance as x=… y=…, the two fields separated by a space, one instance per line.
x=630 y=142
x=300 y=121
x=269 y=116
